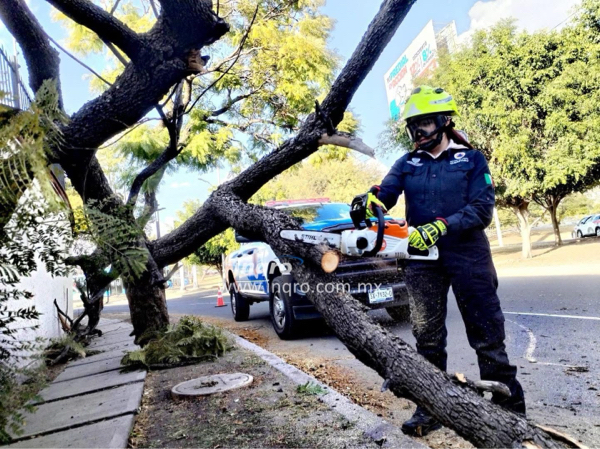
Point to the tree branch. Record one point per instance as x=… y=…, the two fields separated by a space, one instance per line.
x=171 y=152
x=155 y=10
x=116 y=52
x=195 y=231
x=103 y=23
x=176 y=17
x=347 y=141
x=174 y=270
x=136 y=91
x=115 y=6
x=231 y=103
x=70 y=55
x=241 y=46
x=42 y=60
x=150 y=206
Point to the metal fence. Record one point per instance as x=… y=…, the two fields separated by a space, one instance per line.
x=13 y=92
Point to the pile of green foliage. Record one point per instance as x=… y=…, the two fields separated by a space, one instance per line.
x=63 y=349
x=189 y=341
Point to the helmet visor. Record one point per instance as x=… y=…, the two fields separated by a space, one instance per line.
x=425 y=126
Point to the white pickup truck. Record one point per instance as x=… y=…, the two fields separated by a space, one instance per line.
x=252 y=271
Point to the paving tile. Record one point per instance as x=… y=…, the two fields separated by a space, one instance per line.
x=61 y=415
x=89 y=369
x=110 y=339
x=112 y=433
x=102 y=356
x=83 y=385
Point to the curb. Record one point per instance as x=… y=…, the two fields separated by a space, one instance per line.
x=379 y=430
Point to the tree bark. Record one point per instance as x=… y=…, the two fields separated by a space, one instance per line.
x=553 y=209
x=522 y=212
x=147 y=302
x=550 y=203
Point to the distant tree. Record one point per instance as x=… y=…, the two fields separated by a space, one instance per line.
x=530 y=103
x=576 y=206
x=338 y=179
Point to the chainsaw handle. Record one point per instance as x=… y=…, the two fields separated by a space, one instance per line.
x=432 y=254
x=380 y=231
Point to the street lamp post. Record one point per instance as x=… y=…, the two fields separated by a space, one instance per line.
x=158 y=222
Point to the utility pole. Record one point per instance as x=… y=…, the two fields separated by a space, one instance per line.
x=158 y=222
x=15 y=77
x=498 y=230
x=182 y=277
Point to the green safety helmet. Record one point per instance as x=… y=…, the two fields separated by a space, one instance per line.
x=426 y=100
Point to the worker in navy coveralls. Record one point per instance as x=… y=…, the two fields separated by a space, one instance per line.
x=449 y=197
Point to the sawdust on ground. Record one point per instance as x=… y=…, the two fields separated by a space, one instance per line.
x=343 y=380
x=270 y=413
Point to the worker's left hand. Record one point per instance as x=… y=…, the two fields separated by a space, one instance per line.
x=372 y=200
x=424 y=237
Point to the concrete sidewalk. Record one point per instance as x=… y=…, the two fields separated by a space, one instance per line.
x=90 y=404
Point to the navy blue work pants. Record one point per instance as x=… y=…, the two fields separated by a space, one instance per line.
x=466 y=265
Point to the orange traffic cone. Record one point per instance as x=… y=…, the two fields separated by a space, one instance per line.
x=220 y=302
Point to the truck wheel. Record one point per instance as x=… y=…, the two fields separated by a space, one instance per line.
x=280 y=307
x=399 y=313
x=239 y=305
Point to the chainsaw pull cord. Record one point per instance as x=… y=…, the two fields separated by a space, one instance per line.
x=380 y=231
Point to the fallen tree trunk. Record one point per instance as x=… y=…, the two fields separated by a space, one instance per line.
x=407 y=374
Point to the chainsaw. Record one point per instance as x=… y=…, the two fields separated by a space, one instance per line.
x=386 y=239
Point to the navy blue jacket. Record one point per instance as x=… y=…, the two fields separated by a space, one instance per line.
x=457 y=186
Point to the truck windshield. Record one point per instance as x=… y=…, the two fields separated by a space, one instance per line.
x=319 y=212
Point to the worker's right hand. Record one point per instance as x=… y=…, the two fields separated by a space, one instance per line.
x=424 y=237
x=371 y=200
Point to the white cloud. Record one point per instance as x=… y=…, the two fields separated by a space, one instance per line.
x=531 y=15
x=179 y=185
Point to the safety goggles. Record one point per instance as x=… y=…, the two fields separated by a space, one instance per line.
x=415 y=127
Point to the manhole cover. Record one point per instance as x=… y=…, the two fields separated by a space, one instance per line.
x=211 y=384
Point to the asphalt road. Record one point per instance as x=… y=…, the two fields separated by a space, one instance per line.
x=553 y=336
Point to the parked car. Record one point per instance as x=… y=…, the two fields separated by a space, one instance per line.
x=588 y=225
x=255 y=274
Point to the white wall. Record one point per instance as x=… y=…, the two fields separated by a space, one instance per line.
x=45 y=289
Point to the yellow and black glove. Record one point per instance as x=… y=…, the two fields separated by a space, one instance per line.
x=424 y=237
x=372 y=199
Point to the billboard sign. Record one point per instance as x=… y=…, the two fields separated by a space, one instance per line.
x=419 y=58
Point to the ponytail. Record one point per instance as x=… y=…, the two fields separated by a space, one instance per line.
x=458 y=136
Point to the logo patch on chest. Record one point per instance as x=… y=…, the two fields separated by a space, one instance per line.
x=415 y=162
x=464 y=159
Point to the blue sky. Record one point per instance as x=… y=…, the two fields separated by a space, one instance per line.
x=352 y=18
